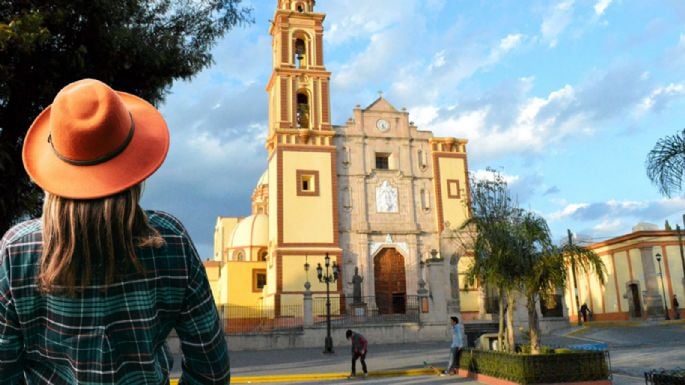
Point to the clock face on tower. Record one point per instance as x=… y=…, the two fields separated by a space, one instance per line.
x=382 y=125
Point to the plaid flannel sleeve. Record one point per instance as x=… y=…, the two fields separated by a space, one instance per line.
x=205 y=352
x=11 y=339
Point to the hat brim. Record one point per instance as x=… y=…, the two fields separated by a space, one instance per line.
x=140 y=159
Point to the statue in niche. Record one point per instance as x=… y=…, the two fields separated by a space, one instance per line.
x=386 y=198
x=357 y=286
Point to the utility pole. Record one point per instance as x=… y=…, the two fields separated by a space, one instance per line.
x=573 y=273
x=680 y=243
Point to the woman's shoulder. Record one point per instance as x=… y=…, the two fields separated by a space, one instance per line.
x=165 y=223
x=27 y=231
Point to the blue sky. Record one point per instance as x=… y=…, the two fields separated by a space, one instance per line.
x=565 y=98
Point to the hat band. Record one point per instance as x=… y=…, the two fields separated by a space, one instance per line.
x=102 y=159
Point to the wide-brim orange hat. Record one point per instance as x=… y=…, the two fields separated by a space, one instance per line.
x=93 y=142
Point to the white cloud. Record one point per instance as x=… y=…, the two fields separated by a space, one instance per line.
x=489 y=176
x=613 y=226
x=352 y=20
x=601 y=6
x=438 y=60
x=510 y=42
x=556 y=21
x=567 y=211
x=659 y=97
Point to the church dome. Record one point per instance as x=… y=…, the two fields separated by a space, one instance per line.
x=263 y=180
x=251 y=231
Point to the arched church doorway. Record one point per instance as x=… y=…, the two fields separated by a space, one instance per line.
x=390 y=281
x=635 y=306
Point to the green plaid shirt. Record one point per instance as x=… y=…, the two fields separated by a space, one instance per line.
x=112 y=336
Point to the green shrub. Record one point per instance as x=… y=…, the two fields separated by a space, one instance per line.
x=572 y=366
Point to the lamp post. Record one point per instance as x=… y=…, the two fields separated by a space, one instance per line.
x=307 y=285
x=328 y=277
x=663 y=291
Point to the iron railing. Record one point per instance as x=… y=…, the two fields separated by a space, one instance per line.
x=665 y=377
x=244 y=319
x=396 y=309
x=390 y=309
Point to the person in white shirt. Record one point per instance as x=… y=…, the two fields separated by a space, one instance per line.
x=455 y=348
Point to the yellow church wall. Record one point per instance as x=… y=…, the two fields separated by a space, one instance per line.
x=273 y=193
x=221 y=296
x=636 y=265
x=271 y=274
x=222 y=235
x=622 y=276
x=307 y=218
x=240 y=283
x=610 y=297
x=453 y=208
x=294 y=275
x=212 y=269
x=469 y=299
x=673 y=280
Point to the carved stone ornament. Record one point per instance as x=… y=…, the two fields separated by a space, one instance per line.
x=386 y=198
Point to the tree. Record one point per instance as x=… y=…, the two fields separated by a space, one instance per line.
x=666 y=164
x=137 y=46
x=512 y=250
x=579 y=258
x=493 y=261
x=542 y=269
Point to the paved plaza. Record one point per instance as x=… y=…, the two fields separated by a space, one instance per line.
x=634 y=348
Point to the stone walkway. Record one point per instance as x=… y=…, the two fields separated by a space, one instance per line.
x=634 y=348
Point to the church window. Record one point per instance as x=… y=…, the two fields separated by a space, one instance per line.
x=307 y=182
x=347 y=197
x=422 y=159
x=263 y=254
x=258 y=279
x=239 y=255
x=382 y=161
x=346 y=155
x=453 y=189
x=425 y=199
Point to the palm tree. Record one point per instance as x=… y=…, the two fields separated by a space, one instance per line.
x=545 y=267
x=666 y=163
x=577 y=258
x=540 y=271
x=493 y=262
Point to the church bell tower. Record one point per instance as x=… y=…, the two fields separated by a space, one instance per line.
x=303 y=208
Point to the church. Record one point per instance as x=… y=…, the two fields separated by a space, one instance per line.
x=373 y=194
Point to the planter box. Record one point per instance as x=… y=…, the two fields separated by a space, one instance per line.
x=498 y=368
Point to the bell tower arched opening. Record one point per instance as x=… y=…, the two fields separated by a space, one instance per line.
x=302 y=109
x=300 y=59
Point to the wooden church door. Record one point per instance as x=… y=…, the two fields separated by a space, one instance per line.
x=390 y=281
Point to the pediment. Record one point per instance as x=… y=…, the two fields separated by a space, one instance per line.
x=381 y=104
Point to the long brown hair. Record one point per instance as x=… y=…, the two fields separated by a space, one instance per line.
x=86 y=241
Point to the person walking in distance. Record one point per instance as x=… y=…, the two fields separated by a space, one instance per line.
x=584 y=311
x=676 y=306
x=359 y=349
x=90 y=291
x=456 y=346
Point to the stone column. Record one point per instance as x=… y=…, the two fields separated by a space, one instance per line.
x=307 y=306
x=652 y=296
x=450 y=249
x=437 y=284
x=424 y=300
